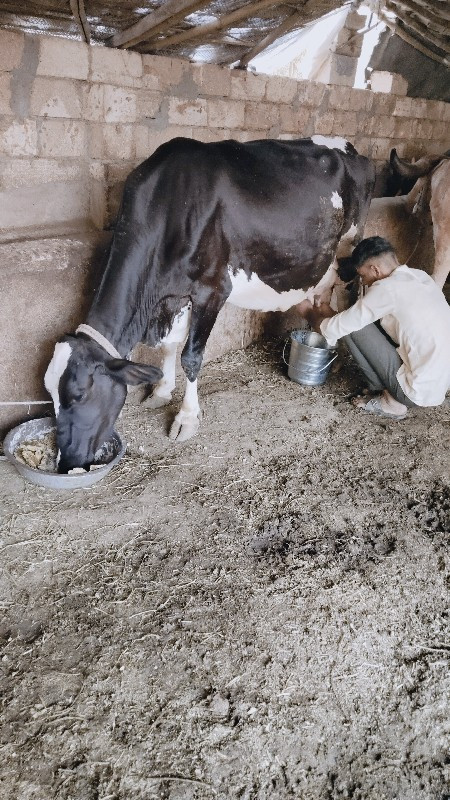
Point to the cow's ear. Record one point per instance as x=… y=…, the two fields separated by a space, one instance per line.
x=131 y=373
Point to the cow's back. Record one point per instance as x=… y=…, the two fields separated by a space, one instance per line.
x=265 y=203
x=195 y=214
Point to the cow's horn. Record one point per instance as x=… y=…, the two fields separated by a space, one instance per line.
x=407 y=170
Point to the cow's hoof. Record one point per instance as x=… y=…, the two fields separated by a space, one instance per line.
x=156 y=401
x=182 y=431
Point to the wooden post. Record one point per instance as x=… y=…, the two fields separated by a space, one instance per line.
x=78 y=10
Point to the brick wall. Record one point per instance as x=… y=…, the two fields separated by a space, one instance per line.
x=75 y=119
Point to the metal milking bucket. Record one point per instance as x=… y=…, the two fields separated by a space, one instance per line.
x=310 y=358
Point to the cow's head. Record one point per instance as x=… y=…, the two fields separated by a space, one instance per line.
x=88 y=390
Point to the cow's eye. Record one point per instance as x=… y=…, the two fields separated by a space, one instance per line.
x=77 y=398
x=77 y=388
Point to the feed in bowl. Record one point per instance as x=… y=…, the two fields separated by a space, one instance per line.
x=31 y=447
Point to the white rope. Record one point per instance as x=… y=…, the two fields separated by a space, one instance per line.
x=24 y=402
x=99 y=338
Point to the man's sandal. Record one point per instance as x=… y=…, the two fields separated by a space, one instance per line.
x=373 y=406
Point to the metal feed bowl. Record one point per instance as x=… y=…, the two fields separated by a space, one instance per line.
x=37 y=429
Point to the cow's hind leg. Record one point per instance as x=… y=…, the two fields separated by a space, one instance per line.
x=187 y=421
x=162 y=392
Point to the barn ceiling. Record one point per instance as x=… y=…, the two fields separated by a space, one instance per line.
x=216 y=31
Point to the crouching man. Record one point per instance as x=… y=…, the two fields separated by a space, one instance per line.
x=398 y=332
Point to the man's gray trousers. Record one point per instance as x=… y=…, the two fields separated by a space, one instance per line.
x=377 y=357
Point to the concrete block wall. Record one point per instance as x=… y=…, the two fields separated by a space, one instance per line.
x=344 y=60
x=74 y=120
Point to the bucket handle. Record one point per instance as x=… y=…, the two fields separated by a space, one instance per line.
x=305 y=369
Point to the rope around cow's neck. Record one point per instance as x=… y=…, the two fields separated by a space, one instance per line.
x=100 y=339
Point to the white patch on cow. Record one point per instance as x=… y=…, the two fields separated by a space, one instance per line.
x=177 y=335
x=55 y=369
x=252 y=293
x=336 y=200
x=180 y=326
x=346 y=242
x=350 y=234
x=332 y=142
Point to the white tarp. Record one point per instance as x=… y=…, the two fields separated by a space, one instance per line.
x=303 y=54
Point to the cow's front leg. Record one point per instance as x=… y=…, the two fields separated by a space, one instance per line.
x=204 y=315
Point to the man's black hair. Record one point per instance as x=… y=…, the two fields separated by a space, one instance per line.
x=367 y=248
x=370 y=248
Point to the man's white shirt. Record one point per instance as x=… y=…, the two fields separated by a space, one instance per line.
x=415 y=314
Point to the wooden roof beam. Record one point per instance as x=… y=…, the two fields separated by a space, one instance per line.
x=431 y=11
x=438 y=7
x=422 y=32
x=289 y=24
x=78 y=10
x=225 y=21
x=159 y=20
x=402 y=34
x=423 y=15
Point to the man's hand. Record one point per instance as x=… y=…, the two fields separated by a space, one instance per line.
x=315 y=314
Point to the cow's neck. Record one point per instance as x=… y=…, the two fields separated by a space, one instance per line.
x=117 y=311
x=94 y=334
x=119 y=332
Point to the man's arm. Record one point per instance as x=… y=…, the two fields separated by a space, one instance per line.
x=378 y=302
x=314 y=315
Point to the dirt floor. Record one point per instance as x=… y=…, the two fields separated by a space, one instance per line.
x=259 y=613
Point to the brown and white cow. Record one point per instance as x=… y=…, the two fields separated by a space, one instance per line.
x=431 y=188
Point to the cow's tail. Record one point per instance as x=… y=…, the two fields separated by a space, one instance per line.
x=346 y=270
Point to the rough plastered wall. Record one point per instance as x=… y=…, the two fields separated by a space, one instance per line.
x=75 y=119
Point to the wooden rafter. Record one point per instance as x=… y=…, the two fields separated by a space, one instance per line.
x=228 y=39
x=298 y=18
x=426 y=14
x=422 y=32
x=402 y=34
x=212 y=27
x=426 y=26
x=159 y=20
x=78 y=10
x=439 y=9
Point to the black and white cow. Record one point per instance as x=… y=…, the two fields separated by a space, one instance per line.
x=256 y=224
